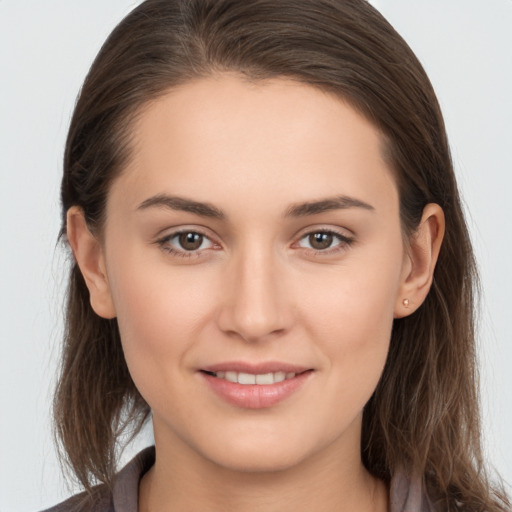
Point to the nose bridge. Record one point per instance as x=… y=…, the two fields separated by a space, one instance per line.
x=254 y=304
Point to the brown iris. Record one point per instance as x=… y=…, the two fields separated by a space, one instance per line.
x=190 y=241
x=321 y=241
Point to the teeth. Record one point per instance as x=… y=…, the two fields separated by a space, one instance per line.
x=267 y=378
x=249 y=378
x=280 y=376
x=246 y=378
x=231 y=376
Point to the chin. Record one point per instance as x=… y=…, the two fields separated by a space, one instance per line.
x=259 y=462
x=260 y=454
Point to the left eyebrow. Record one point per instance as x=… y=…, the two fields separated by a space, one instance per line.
x=325 y=205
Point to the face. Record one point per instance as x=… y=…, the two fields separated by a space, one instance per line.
x=255 y=261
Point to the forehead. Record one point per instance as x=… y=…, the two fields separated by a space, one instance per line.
x=226 y=137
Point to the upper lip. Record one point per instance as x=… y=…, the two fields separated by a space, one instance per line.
x=255 y=368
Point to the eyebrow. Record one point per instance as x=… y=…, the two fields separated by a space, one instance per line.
x=325 y=205
x=295 y=210
x=182 y=204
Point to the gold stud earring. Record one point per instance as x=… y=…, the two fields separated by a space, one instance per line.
x=405 y=302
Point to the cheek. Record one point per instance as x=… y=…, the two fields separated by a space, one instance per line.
x=355 y=337
x=159 y=314
x=353 y=342
x=352 y=303
x=350 y=314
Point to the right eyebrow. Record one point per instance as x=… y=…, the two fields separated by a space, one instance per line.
x=182 y=204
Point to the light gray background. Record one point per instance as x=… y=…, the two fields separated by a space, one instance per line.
x=45 y=51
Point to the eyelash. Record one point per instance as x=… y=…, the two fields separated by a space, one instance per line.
x=343 y=242
x=164 y=243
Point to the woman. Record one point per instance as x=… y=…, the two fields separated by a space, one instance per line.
x=270 y=256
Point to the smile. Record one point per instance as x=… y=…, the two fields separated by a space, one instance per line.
x=255 y=387
x=261 y=379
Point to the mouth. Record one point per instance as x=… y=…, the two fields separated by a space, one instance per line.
x=247 y=379
x=255 y=386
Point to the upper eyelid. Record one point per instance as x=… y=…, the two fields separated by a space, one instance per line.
x=339 y=231
x=164 y=244
x=169 y=233
x=180 y=228
x=343 y=240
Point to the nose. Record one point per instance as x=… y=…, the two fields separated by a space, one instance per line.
x=254 y=304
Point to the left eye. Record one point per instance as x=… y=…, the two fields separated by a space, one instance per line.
x=189 y=241
x=322 y=240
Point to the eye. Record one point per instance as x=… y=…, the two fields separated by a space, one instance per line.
x=190 y=241
x=185 y=243
x=323 y=241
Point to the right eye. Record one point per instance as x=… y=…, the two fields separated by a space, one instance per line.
x=185 y=243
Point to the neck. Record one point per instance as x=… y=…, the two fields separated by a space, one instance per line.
x=182 y=481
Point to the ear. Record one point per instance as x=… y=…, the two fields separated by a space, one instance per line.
x=89 y=256
x=420 y=261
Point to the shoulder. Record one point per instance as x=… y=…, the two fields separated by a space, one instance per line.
x=122 y=497
x=99 y=501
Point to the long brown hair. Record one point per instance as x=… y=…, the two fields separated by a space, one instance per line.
x=423 y=417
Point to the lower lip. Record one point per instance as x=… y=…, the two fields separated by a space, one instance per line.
x=256 y=396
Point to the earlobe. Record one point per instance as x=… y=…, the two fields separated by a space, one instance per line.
x=421 y=259
x=89 y=256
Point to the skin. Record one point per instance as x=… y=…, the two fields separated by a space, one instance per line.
x=256 y=290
